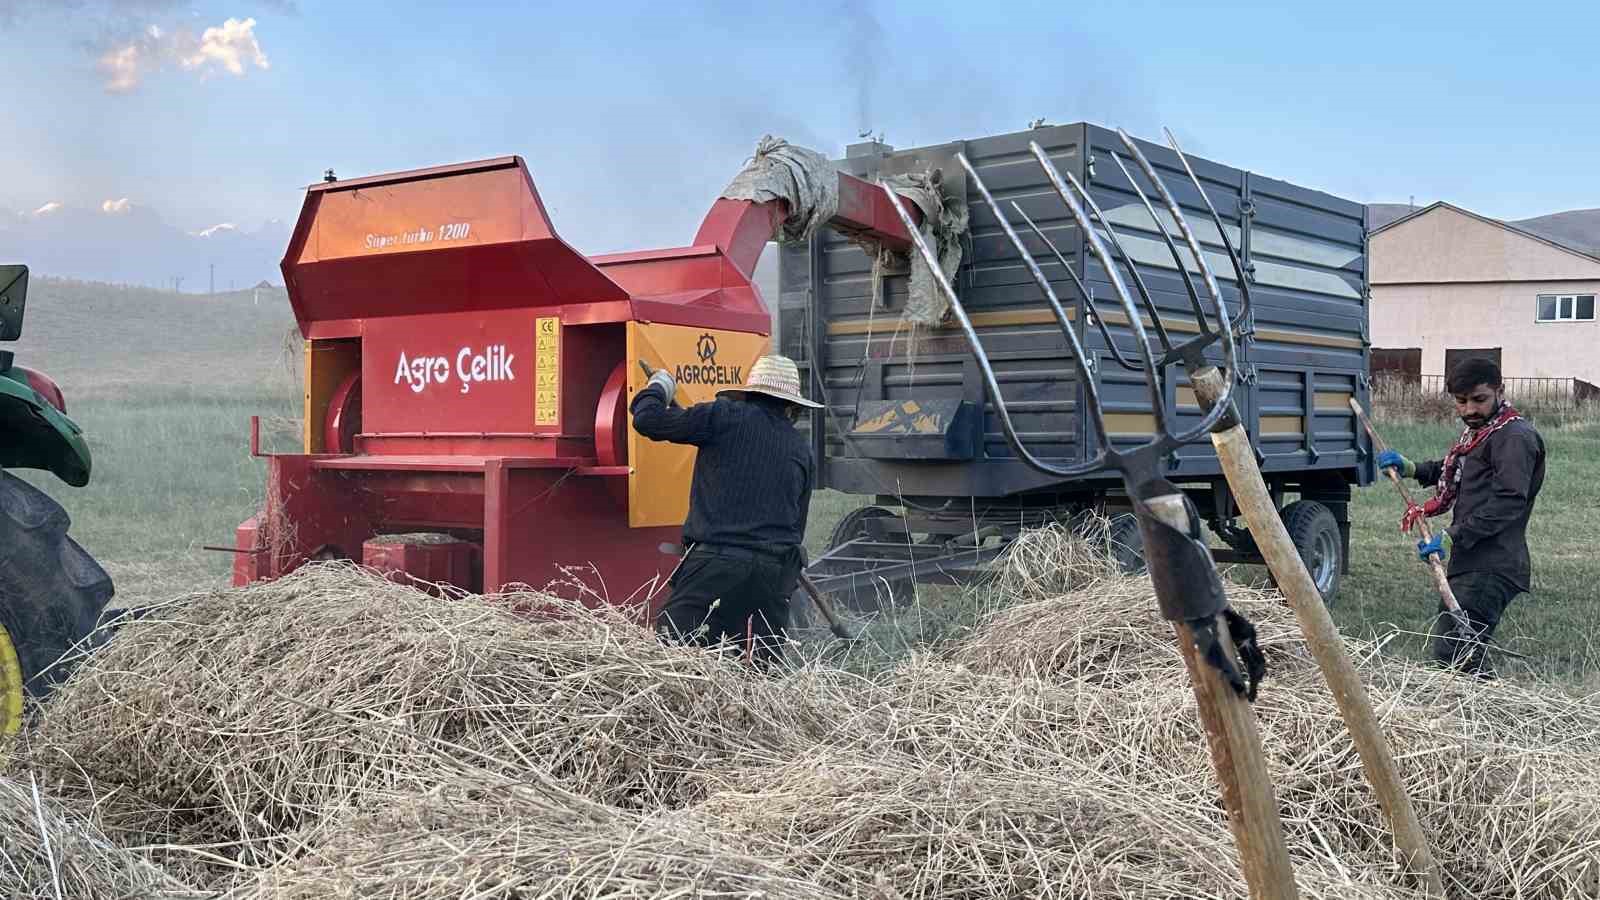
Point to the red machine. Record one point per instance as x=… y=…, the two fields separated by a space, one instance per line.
x=468 y=373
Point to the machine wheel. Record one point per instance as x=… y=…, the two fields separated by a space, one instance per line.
x=879 y=594
x=1127 y=543
x=1315 y=533
x=52 y=594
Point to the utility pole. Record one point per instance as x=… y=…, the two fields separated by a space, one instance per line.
x=177 y=284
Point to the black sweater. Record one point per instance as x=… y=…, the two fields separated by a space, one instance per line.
x=1489 y=523
x=752 y=474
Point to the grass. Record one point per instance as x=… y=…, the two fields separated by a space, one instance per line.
x=172 y=472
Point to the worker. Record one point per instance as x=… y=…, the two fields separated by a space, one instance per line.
x=748 y=502
x=1487 y=481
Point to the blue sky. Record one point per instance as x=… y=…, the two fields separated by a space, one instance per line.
x=634 y=116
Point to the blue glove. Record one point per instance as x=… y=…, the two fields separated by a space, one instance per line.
x=1390 y=459
x=1434 y=546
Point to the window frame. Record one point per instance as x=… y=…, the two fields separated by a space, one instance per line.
x=1572 y=301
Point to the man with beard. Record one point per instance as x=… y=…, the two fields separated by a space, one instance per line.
x=1487 y=481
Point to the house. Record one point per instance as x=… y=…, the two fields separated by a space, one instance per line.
x=1449 y=283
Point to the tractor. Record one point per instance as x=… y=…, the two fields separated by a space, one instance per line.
x=52 y=593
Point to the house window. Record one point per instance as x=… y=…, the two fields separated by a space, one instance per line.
x=1566 y=308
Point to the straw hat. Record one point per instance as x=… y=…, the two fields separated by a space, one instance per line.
x=775 y=376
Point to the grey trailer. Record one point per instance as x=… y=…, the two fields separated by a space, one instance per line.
x=906 y=418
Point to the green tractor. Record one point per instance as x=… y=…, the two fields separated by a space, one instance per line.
x=52 y=593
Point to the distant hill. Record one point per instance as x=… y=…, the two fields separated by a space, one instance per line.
x=1382 y=214
x=131 y=244
x=1577 y=228
x=95 y=338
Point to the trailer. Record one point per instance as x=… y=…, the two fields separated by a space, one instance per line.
x=906 y=420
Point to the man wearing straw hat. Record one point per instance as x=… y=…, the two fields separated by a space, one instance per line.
x=748 y=501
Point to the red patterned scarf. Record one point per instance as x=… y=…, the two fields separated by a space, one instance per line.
x=1449 y=484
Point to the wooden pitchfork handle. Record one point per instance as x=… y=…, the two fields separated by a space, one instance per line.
x=1321 y=636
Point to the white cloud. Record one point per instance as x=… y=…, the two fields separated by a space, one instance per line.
x=208 y=232
x=231 y=47
x=116 y=207
x=47 y=209
x=125 y=67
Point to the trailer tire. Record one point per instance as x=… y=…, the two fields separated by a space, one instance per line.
x=52 y=594
x=1127 y=543
x=877 y=594
x=1315 y=533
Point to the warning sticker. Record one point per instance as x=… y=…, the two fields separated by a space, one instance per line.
x=547 y=371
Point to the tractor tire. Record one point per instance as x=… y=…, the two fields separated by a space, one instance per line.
x=876 y=595
x=52 y=595
x=1315 y=533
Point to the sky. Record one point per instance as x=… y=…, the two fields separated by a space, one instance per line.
x=633 y=117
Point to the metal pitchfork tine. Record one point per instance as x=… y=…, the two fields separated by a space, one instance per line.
x=1188 y=588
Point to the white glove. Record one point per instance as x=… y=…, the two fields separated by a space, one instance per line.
x=663 y=380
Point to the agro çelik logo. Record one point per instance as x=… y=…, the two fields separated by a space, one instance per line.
x=708 y=372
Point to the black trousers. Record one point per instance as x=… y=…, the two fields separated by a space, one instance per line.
x=729 y=596
x=1484 y=597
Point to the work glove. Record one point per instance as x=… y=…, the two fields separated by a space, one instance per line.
x=1389 y=459
x=662 y=380
x=1433 y=546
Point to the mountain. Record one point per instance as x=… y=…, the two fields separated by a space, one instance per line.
x=1576 y=228
x=126 y=243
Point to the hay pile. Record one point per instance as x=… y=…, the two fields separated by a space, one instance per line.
x=511 y=841
x=337 y=735
x=232 y=721
x=48 y=851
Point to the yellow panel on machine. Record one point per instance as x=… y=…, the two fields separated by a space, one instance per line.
x=703 y=361
x=10 y=685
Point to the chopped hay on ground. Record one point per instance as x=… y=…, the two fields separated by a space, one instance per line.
x=245 y=716
x=47 y=850
x=331 y=734
x=508 y=841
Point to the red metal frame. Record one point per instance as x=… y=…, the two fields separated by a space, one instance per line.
x=444 y=274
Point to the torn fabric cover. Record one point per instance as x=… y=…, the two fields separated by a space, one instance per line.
x=1190 y=590
x=944 y=222
x=804 y=179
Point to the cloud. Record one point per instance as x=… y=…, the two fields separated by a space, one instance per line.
x=208 y=232
x=116 y=207
x=231 y=47
x=48 y=208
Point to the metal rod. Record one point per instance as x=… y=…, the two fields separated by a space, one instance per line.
x=1177 y=257
x=1092 y=464
x=1244 y=287
x=1088 y=298
x=1098 y=248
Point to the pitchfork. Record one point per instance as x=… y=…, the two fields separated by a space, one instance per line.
x=1188 y=589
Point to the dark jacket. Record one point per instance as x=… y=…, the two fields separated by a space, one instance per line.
x=1499 y=480
x=753 y=473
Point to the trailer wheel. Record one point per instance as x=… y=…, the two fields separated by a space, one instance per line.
x=875 y=594
x=52 y=594
x=1127 y=543
x=1315 y=533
